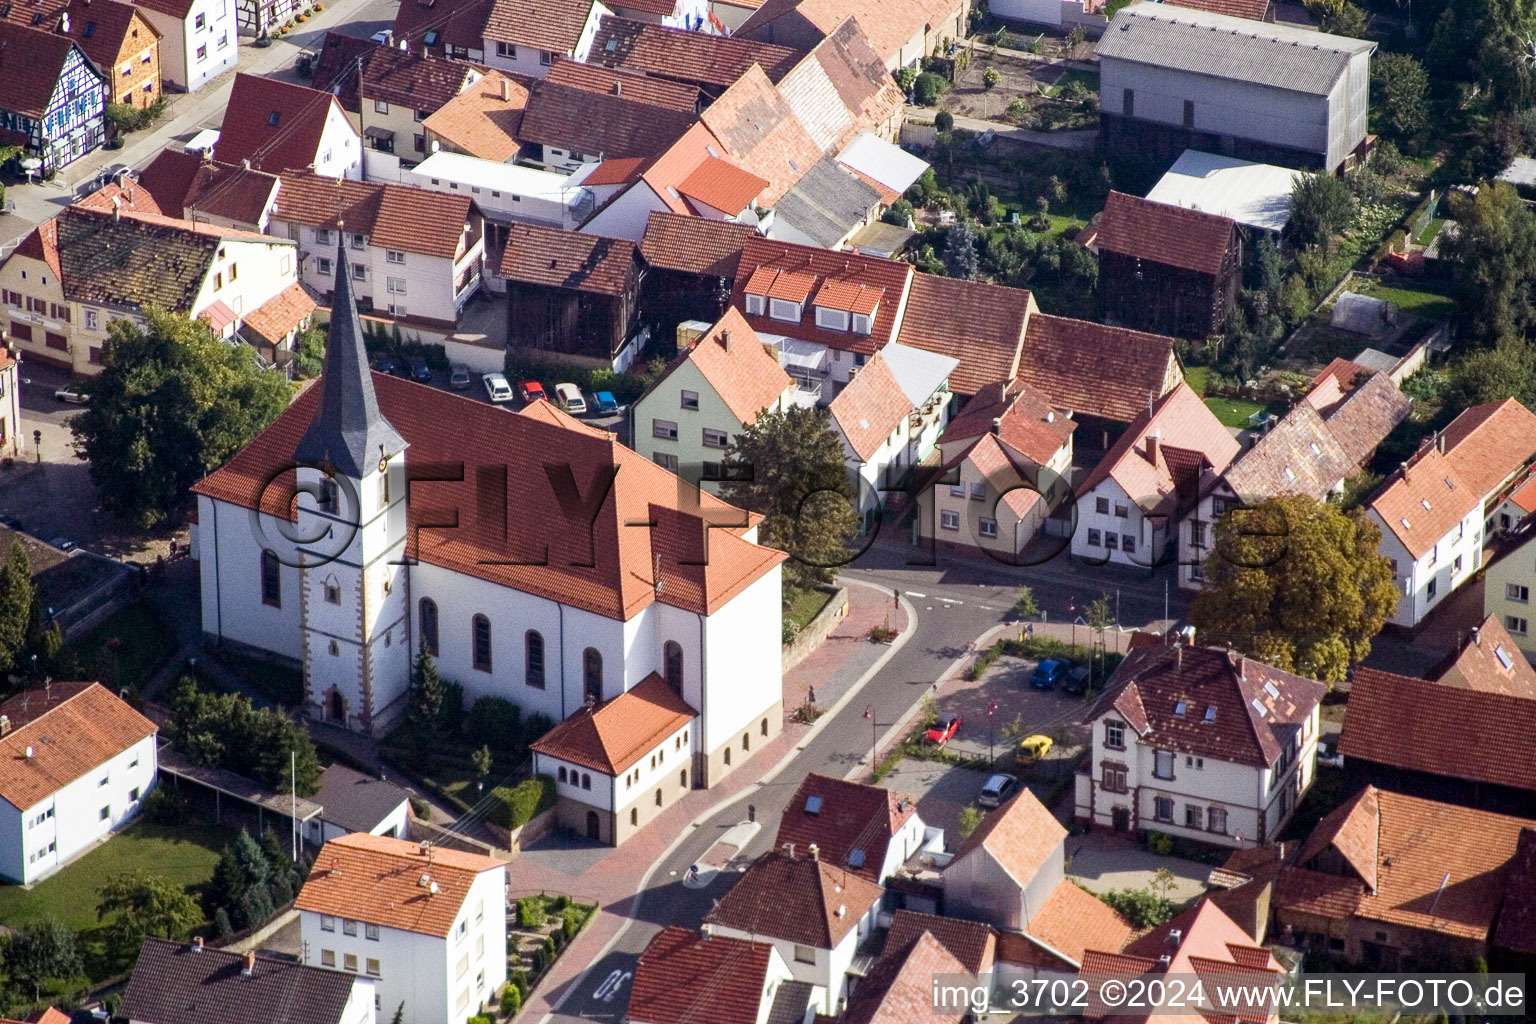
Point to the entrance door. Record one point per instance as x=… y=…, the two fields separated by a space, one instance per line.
x=1122 y=819
x=594 y=828
x=335 y=710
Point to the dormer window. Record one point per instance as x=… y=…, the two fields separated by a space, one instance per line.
x=754 y=305
x=783 y=309
x=831 y=319
x=861 y=324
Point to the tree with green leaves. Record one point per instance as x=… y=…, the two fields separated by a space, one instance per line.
x=1321 y=207
x=789 y=467
x=1399 y=95
x=481 y=759
x=960 y=256
x=242 y=883
x=424 y=701
x=1495 y=251
x=1507 y=370
x=145 y=905
x=227 y=731
x=309 y=352
x=173 y=401
x=399 y=1014
x=1338 y=17
x=43 y=950
x=1296 y=583
x=16 y=595
x=1024 y=605
x=970 y=819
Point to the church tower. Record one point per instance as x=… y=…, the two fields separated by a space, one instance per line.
x=353 y=584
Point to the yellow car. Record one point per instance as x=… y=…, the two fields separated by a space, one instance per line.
x=1032 y=749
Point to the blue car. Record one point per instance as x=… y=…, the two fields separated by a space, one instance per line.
x=603 y=403
x=1049 y=672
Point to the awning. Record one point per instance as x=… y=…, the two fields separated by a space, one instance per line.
x=380 y=134
x=802 y=355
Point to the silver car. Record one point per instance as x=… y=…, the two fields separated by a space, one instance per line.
x=496 y=387
x=458 y=377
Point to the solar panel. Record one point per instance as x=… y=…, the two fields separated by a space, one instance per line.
x=813 y=805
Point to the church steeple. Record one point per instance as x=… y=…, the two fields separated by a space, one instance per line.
x=348 y=433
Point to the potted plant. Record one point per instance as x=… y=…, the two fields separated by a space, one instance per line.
x=882 y=635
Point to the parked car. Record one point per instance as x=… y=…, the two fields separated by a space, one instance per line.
x=570 y=399
x=1050 y=672
x=497 y=388
x=1077 y=680
x=1031 y=749
x=458 y=377
x=532 y=391
x=997 y=790
x=1328 y=754
x=603 y=403
x=943 y=730
x=419 y=370
x=73 y=392
x=385 y=363
x=63 y=543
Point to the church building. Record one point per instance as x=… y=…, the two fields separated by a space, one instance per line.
x=538 y=559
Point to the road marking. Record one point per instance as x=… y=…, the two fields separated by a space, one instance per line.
x=950 y=600
x=913 y=593
x=611 y=985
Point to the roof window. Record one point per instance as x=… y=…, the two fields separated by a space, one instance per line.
x=855 y=858
x=272 y=119
x=1450 y=483
x=1503 y=656
x=1289 y=475
x=1404 y=521
x=1257 y=705
x=813 y=805
x=1425 y=503
x=611 y=45
x=1179 y=708
x=1210 y=714
x=1272 y=689
x=1315 y=449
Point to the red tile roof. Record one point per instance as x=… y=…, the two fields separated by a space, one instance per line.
x=1366 y=416
x=684 y=977
x=663 y=174
x=600 y=123
x=849 y=816
x=842 y=88
x=552 y=25
x=1095 y=370
x=743 y=373
x=31 y=64
x=870 y=407
x=972 y=943
x=102 y=29
x=458 y=23
x=1020 y=836
x=248 y=131
x=1490 y=443
x=655 y=92
x=613 y=736
x=890 y=24
x=568 y=259
x=1254 y=10
x=412 y=78
x=286 y=310
x=1423 y=502
x=618 y=172
x=1491 y=662
x=995 y=318
x=695 y=245
x=481 y=122
x=1161 y=233
x=130 y=197
x=391 y=216
x=756 y=125
x=69 y=729
x=887 y=276
x=900 y=988
x=1157 y=477
x=1417 y=844
x=377 y=880
x=1525 y=496
x=721 y=185
x=707 y=60
x=1222 y=694
x=1421 y=726
x=606 y=566
x=797 y=899
x=1072 y=921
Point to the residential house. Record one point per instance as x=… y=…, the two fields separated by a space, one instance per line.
x=691 y=265
x=550 y=634
x=1390 y=881
x=427 y=924
x=1514 y=509
x=1307 y=453
x=279 y=126
x=1130 y=505
x=444 y=28
x=504 y=193
x=389 y=92
x=1432 y=531
x=753 y=122
x=190 y=983
x=1054 y=13
x=815 y=913
x=572 y=293
x=482 y=121
x=901 y=32
x=992 y=320
x=119 y=38
x=527 y=40
x=197 y=187
x=1406 y=734
x=198 y=40
x=1486 y=663
x=12 y=437
x=686 y=14
x=602 y=80
x=869 y=829
x=1200 y=743
x=73 y=275
x=826 y=207
x=273 y=329
x=1005 y=461
x=1202 y=944
x=684 y=973
x=567 y=125
x=1509 y=580
x=353 y=802
x=1254 y=10
x=901 y=981
x=1166 y=269
x=258 y=18
x=890 y=415
x=707 y=395
x=1172 y=78
x=412 y=254
x=77 y=762
x=1492 y=448
x=710 y=62
x=55 y=105
x=973 y=943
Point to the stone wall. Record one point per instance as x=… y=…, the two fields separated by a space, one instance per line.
x=817 y=630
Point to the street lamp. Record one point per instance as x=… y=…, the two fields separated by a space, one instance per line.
x=874 y=735
x=37 y=444
x=991 y=711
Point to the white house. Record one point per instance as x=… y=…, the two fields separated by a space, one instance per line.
x=12 y=441
x=427 y=924
x=683 y=974
x=1432 y=530
x=189 y=983
x=1200 y=743
x=527 y=42
x=815 y=913
x=199 y=40
x=1128 y=508
x=504 y=192
x=412 y=254
x=867 y=829
x=1492 y=448
x=1173 y=78
x=538 y=590
x=282 y=126
x=74 y=763
x=708 y=395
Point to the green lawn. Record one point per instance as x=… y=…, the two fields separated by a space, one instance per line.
x=1195 y=377
x=804 y=605
x=1423 y=302
x=1234 y=412
x=1430 y=231
x=1087 y=79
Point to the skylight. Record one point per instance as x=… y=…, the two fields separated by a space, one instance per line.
x=1289 y=475
x=1210 y=714
x=611 y=45
x=273 y=119
x=855 y=858
x=1425 y=503
x=1315 y=449
x=1503 y=656
x=1258 y=705
x=1404 y=521
x=1179 y=708
x=1450 y=483
x=813 y=805
x=1272 y=689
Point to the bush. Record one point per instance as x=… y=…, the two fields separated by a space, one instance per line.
x=905 y=77
x=789 y=631
x=513 y=806
x=927 y=88
x=530 y=912
x=164 y=805
x=570 y=924
x=991 y=77
x=511 y=1000
x=479 y=1018
x=494 y=722
x=944 y=121
x=1160 y=844
x=421 y=808
x=1142 y=907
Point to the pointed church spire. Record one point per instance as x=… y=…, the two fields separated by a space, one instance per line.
x=348 y=432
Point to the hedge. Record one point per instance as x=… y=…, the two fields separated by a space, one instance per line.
x=513 y=806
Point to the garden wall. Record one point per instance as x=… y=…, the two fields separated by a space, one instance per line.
x=815 y=632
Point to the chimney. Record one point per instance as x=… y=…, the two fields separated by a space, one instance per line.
x=814 y=851
x=725 y=338
x=1175 y=936
x=1164 y=962
x=1152 y=442
x=997 y=424
x=197 y=944
x=5 y=724
x=1439 y=434
x=248 y=967
x=425 y=848
x=505 y=89
x=1475 y=640
x=788 y=848
x=618 y=88
x=117 y=209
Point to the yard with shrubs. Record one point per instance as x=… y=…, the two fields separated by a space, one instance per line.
x=539 y=929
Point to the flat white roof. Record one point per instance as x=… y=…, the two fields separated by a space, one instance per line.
x=875 y=158
x=1521 y=171
x=202 y=140
x=471 y=170
x=918 y=372
x=1258 y=195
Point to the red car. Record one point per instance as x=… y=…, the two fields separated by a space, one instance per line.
x=943 y=730
x=531 y=391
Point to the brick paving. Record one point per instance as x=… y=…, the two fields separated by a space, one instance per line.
x=847 y=652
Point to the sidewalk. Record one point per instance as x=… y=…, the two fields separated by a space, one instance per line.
x=846 y=653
